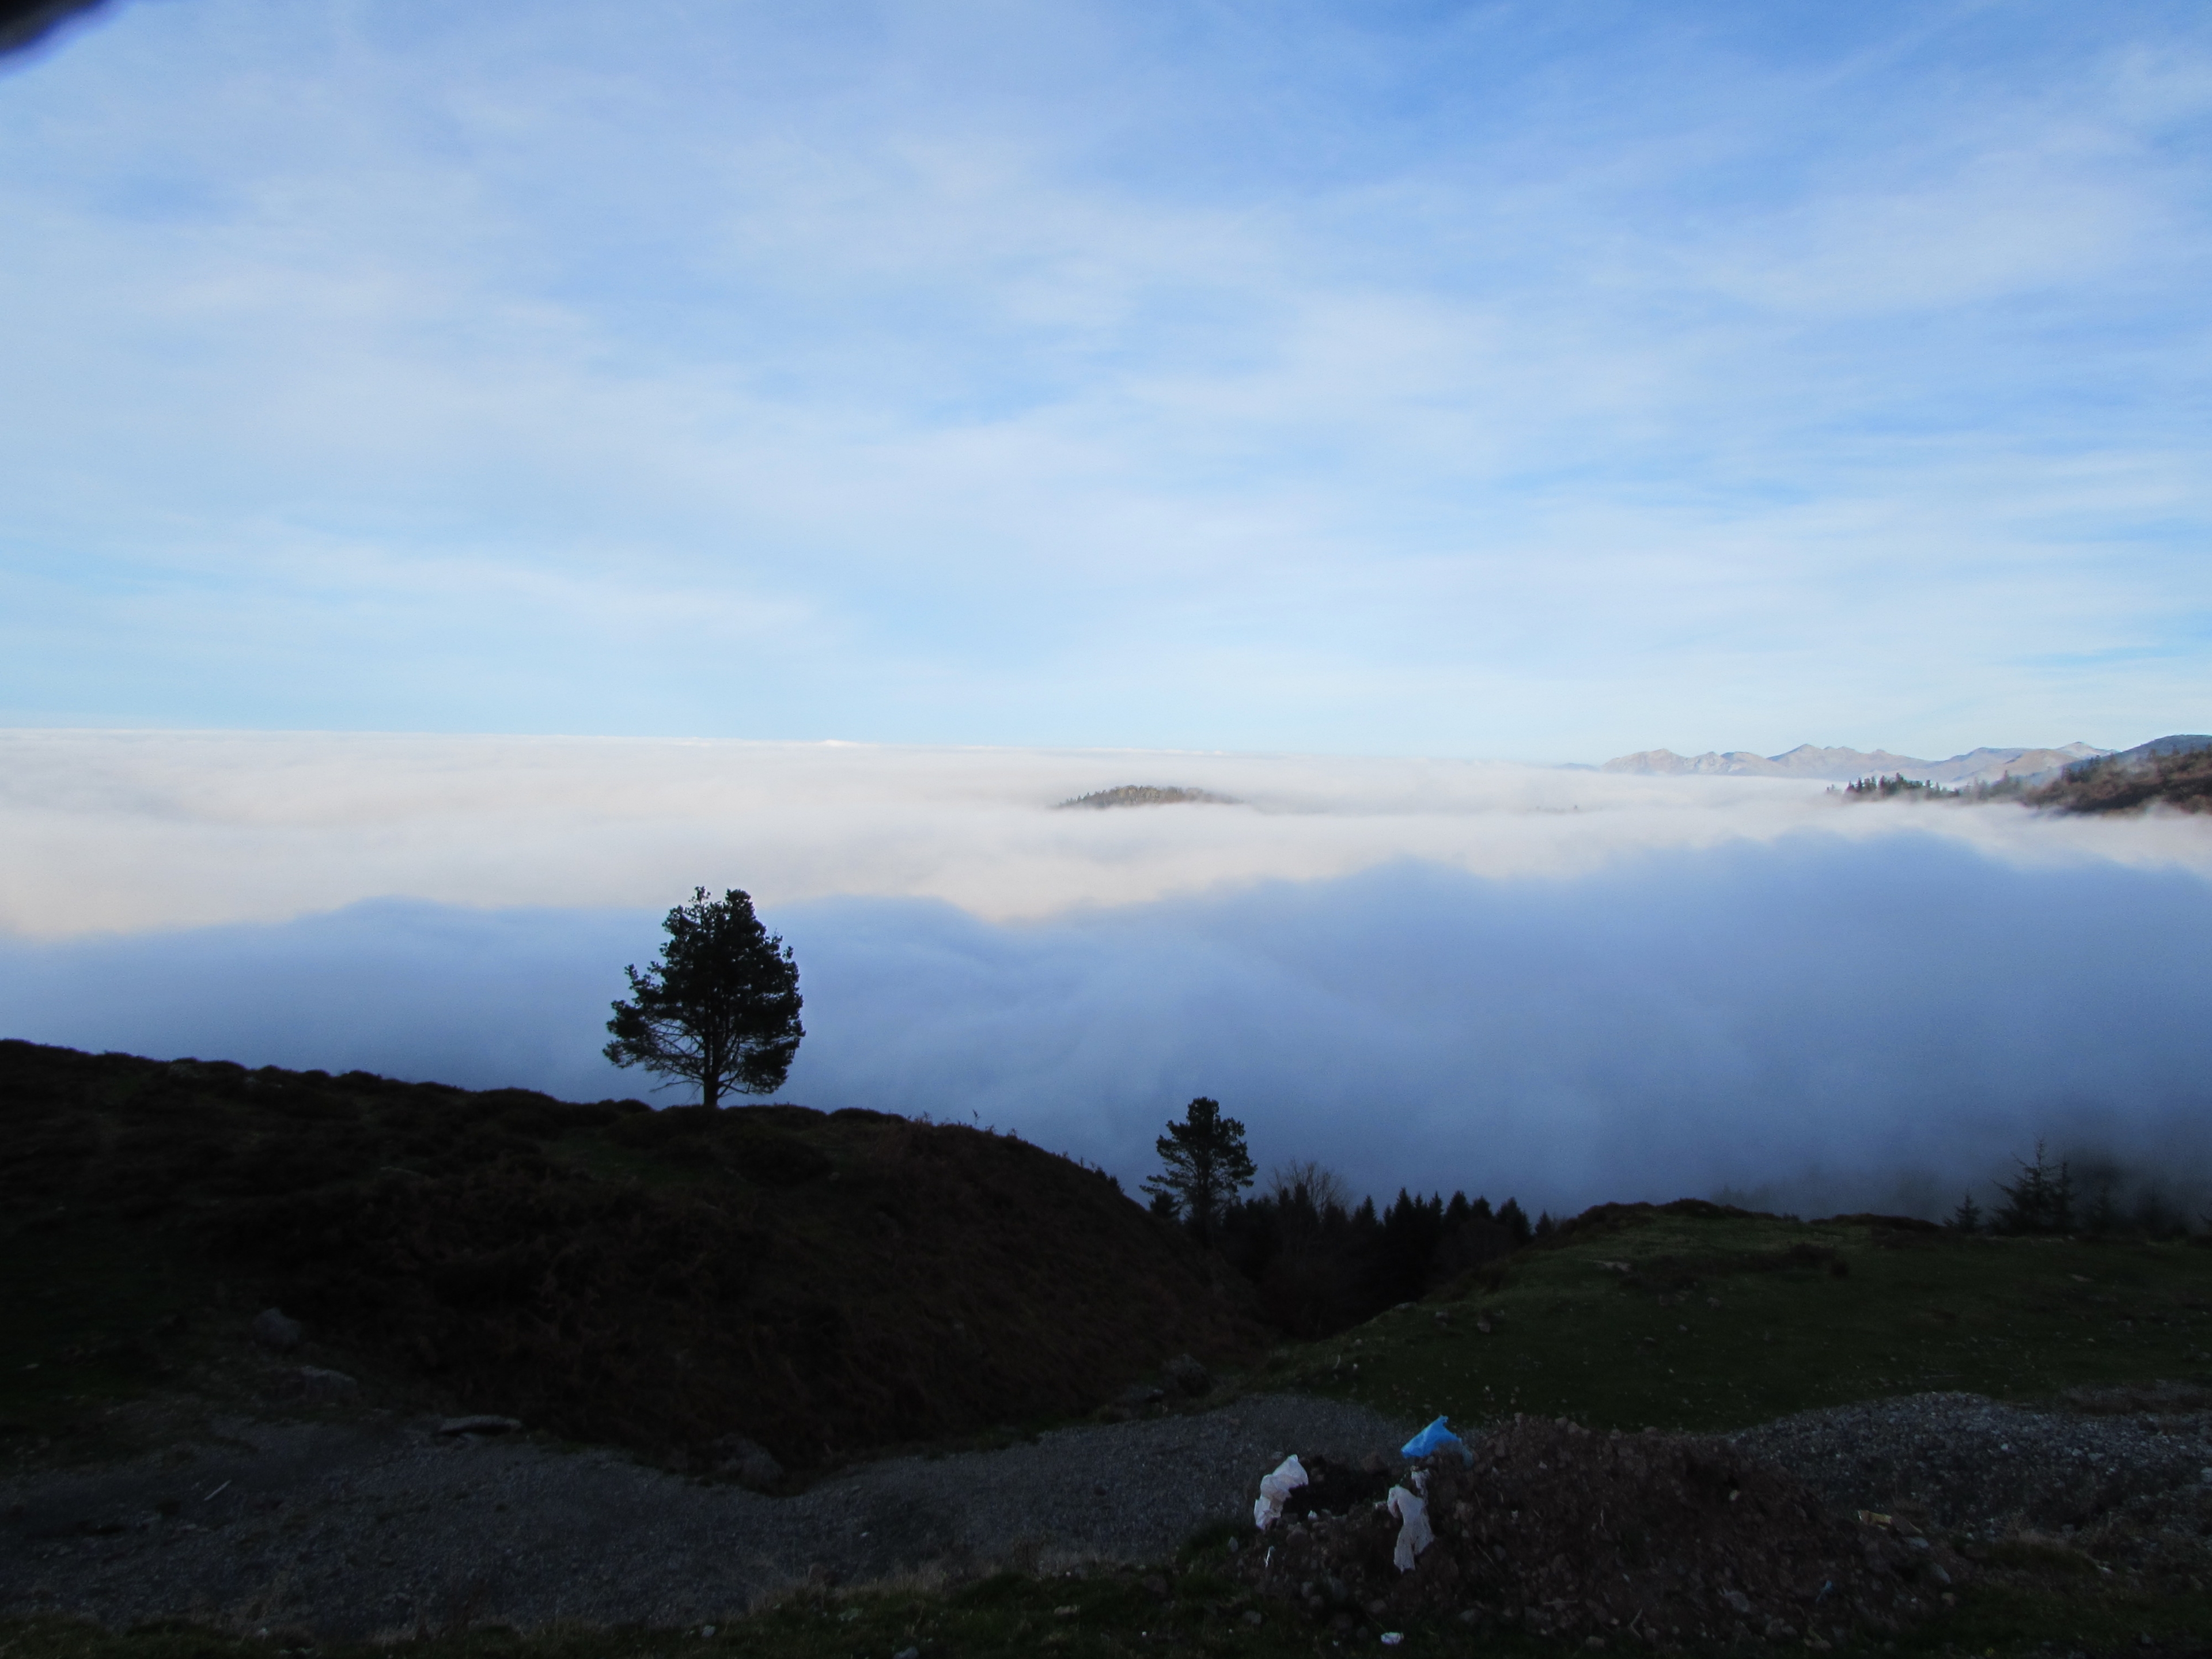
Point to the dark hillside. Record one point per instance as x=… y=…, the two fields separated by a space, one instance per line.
x=819 y=1283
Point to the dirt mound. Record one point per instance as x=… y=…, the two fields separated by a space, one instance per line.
x=1655 y=1540
x=817 y=1283
x=1600 y=1220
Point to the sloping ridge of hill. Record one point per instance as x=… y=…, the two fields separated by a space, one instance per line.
x=1984 y=765
x=2173 y=771
x=820 y=1283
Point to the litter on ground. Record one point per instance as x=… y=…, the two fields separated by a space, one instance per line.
x=1414 y=1533
x=1275 y=1489
x=1437 y=1438
x=1666 y=1541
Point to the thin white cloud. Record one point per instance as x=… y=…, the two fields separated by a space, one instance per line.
x=1083 y=389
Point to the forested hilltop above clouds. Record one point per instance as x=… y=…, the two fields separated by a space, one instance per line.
x=2173 y=772
x=1846 y=765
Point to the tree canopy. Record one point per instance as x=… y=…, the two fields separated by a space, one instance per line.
x=719 y=1008
x=2041 y=1201
x=1207 y=1165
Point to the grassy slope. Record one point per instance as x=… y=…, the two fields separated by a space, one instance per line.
x=2017 y=1318
x=823 y=1283
x=1912 y=1311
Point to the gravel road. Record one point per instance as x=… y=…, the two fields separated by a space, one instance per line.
x=1969 y=1464
x=387 y=1526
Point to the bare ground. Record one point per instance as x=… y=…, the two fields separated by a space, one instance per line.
x=381 y=1526
x=386 y=1526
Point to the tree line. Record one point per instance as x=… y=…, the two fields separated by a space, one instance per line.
x=1318 y=1263
x=1887 y=788
x=2046 y=1198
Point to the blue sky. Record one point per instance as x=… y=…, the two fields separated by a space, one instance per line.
x=1531 y=381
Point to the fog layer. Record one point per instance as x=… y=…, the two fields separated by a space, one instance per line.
x=124 y=831
x=1817 y=1021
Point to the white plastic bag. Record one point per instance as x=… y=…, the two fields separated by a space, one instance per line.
x=1413 y=1533
x=1275 y=1489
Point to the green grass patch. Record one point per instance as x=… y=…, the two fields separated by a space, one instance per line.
x=2016 y=1624
x=1112 y=1613
x=1709 y=1322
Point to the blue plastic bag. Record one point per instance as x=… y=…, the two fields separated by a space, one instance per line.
x=1437 y=1438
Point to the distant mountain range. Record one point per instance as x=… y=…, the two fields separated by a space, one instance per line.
x=2182 y=743
x=1843 y=765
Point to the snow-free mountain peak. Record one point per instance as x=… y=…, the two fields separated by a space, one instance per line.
x=1811 y=761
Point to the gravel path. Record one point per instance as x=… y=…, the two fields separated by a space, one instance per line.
x=386 y=1527
x=1972 y=1464
x=357 y=1531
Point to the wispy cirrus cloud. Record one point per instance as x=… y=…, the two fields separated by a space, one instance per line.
x=1087 y=374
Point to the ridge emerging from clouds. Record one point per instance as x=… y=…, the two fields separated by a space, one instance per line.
x=119 y=831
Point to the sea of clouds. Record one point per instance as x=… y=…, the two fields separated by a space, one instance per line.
x=1557 y=983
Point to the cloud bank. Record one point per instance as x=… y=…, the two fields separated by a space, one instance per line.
x=126 y=831
x=1819 y=1022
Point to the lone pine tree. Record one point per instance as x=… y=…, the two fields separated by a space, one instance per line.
x=2041 y=1201
x=719 y=1008
x=1207 y=1166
